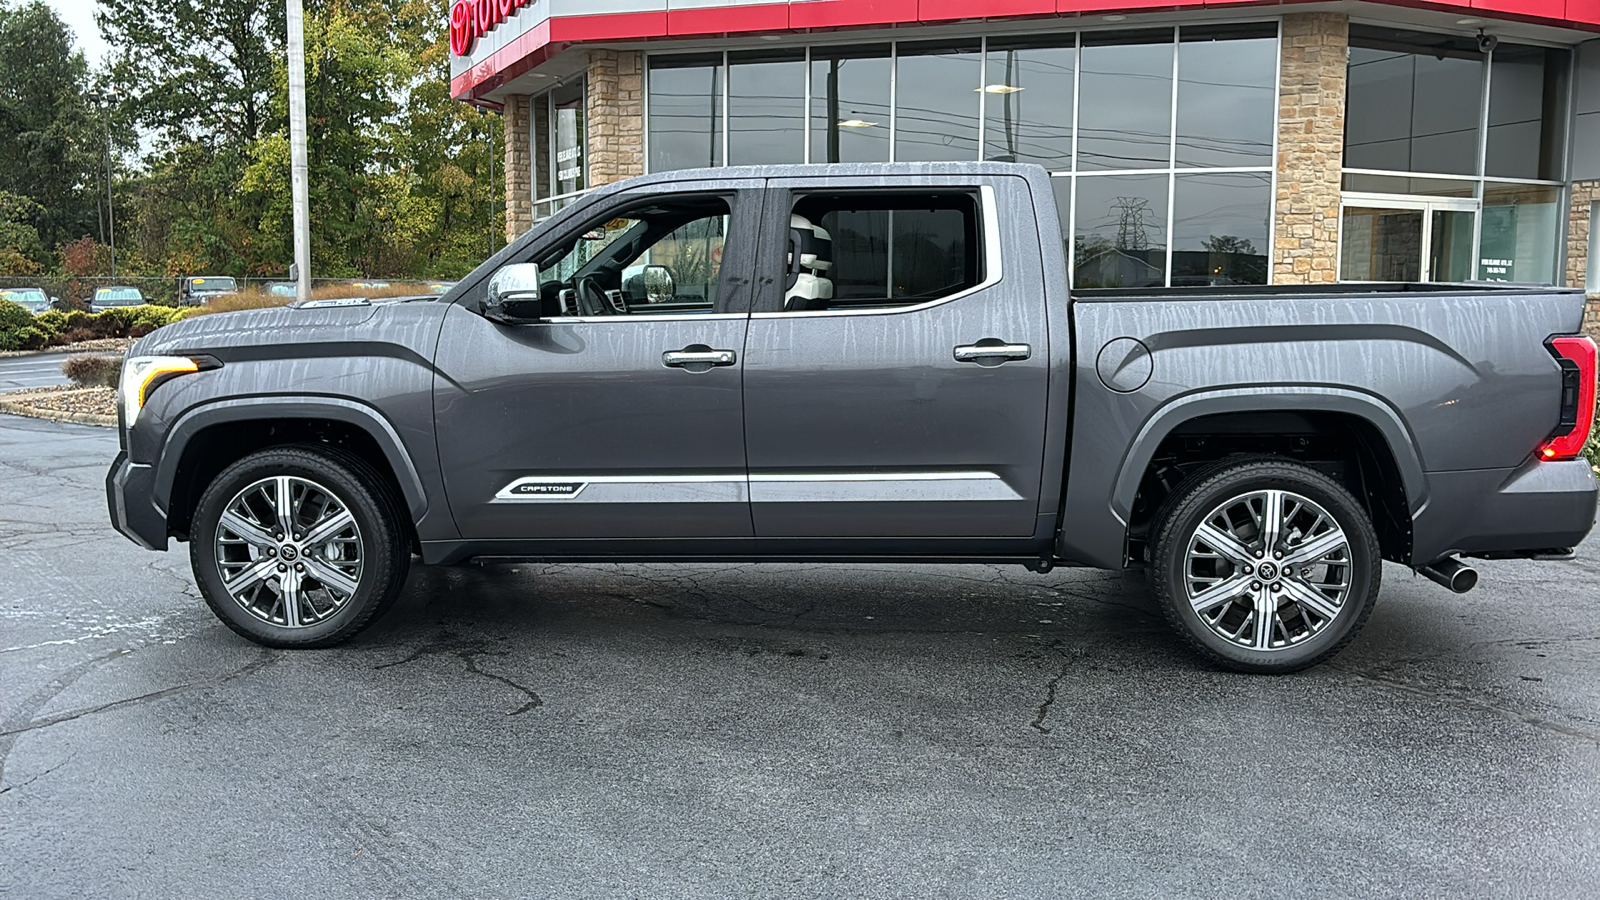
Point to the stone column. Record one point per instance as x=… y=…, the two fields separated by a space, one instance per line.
x=1310 y=147
x=519 y=168
x=1584 y=194
x=615 y=115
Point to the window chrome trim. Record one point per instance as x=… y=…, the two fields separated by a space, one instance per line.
x=992 y=263
x=663 y=317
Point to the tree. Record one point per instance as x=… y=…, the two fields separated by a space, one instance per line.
x=21 y=252
x=47 y=141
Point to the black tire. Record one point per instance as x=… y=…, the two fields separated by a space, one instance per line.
x=1189 y=508
x=359 y=488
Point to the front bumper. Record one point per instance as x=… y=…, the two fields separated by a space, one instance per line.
x=130 y=496
x=1539 y=506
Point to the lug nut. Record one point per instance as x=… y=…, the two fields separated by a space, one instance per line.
x=1248 y=569
x=297 y=537
x=282 y=567
x=1278 y=555
x=299 y=567
x=272 y=551
x=1255 y=585
x=1260 y=554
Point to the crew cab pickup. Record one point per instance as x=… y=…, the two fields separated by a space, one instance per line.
x=861 y=363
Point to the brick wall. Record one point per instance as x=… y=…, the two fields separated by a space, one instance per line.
x=1310 y=147
x=519 y=168
x=615 y=115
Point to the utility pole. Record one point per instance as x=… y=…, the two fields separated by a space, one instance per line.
x=300 y=166
x=104 y=101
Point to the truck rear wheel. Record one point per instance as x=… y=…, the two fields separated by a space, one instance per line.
x=298 y=547
x=1264 y=565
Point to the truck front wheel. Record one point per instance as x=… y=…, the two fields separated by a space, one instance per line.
x=298 y=546
x=1265 y=566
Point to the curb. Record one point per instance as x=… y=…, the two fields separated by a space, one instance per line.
x=20 y=407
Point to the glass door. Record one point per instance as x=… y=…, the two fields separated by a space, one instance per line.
x=1403 y=238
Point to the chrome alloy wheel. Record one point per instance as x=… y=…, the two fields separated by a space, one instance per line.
x=1267 y=570
x=289 y=551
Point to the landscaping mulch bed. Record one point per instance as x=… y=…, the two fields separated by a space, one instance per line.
x=64 y=403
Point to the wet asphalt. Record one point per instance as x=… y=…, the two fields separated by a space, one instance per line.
x=32 y=371
x=774 y=731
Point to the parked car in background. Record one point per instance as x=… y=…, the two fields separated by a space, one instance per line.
x=440 y=287
x=109 y=297
x=199 y=291
x=33 y=300
x=283 y=289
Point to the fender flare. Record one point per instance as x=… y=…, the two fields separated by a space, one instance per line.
x=244 y=409
x=1291 y=398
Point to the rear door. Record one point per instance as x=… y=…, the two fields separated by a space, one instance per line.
x=618 y=415
x=910 y=401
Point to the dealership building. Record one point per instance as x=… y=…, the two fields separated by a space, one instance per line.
x=1190 y=143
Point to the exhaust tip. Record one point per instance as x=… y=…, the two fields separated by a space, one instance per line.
x=1452 y=573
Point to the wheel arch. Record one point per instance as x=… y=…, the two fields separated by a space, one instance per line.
x=1378 y=438
x=207 y=439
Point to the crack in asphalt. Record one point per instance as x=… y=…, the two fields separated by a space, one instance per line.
x=11 y=731
x=1051 y=688
x=22 y=784
x=469 y=656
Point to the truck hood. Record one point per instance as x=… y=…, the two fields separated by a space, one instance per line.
x=284 y=328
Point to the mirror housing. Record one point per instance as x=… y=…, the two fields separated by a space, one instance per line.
x=514 y=294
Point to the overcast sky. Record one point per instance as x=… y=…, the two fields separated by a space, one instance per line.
x=79 y=16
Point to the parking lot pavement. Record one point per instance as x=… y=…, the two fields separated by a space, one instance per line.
x=779 y=731
x=21 y=372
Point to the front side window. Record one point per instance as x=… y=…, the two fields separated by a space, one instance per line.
x=663 y=257
x=878 y=251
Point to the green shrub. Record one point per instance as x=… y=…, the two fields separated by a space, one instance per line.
x=51 y=322
x=93 y=371
x=16 y=327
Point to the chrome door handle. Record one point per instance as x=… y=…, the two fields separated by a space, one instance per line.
x=995 y=352
x=708 y=358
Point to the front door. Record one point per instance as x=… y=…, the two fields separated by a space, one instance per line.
x=617 y=416
x=897 y=367
x=1405 y=238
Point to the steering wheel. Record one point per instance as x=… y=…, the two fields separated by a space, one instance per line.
x=591 y=297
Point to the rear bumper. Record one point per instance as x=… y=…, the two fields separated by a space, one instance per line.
x=1536 y=507
x=130 y=497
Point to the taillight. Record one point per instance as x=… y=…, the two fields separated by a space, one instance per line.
x=1576 y=356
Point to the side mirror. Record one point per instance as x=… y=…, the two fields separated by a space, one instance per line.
x=514 y=293
x=659 y=285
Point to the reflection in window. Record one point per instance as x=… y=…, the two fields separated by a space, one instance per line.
x=1227 y=84
x=1526 y=89
x=685 y=111
x=894 y=250
x=1121 y=238
x=1381 y=245
x=766 y=108
x=1519 y=237
x=1028 y=101
x=1220 y=229
x=1125 y=95
x=850 y=104
x=936 y=102
x=1412 y=107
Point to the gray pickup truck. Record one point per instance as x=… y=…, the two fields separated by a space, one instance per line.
x=860 y=363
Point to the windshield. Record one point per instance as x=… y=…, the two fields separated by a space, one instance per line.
x=31 y=299
x=212 y=285
x=118 y=297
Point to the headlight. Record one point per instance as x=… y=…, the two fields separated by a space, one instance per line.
x=141 y=374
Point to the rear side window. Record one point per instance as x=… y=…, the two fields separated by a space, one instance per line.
x=868 y=250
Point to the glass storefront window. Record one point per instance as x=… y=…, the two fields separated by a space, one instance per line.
x=936 y=101
x=1520 y=232
x=1125 y=100
x=567 y=132
x=766 y=108
x=850 y=104
x=1227 y=90
x=1527 y=86
x=1121 y=238
x=1413 y=102
x=685 y=120
x=1220 y=228
x=1028 y=101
